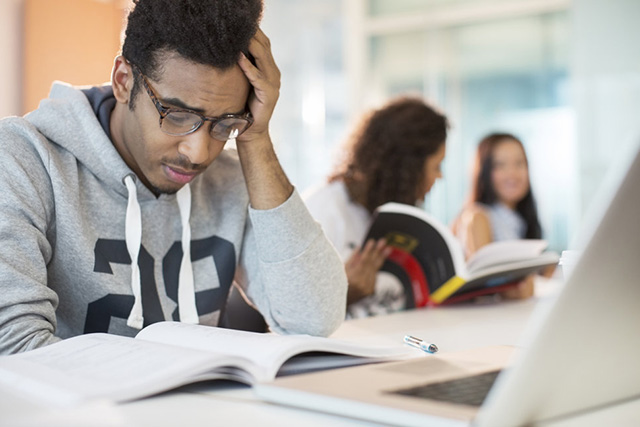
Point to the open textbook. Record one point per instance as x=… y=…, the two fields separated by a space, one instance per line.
x=429 y=261
x=167 y=355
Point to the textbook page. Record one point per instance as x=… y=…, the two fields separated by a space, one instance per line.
x=505 y=251
x=268 y=352
x=96 y=366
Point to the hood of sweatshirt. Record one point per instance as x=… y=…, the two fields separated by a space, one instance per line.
x=82 y=136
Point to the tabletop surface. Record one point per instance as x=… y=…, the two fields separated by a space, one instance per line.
x=452 y=328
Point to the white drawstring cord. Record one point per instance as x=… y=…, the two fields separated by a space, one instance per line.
x=133 y=235
x=186 y=292
x=133 y=239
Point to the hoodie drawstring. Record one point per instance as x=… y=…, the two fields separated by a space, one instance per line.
x=186 y=293
x=133 y=237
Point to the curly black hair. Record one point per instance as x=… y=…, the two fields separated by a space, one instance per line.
x=387 y=152
x=210 y=32
x=482 y=185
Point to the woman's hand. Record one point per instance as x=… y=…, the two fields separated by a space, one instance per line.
x=524 y=289
x=362 y=267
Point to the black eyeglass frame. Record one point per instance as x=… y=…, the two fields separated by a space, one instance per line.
x=165 y=111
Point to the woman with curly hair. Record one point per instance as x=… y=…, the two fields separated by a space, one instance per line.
x=394 y=155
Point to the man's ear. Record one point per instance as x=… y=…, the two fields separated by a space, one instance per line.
x=122 y=79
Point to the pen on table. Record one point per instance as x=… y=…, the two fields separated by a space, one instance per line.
x=421 y=344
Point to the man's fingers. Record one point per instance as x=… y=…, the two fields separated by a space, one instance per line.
x=260 y=49
x=264 y=77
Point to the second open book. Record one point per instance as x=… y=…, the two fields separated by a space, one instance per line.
x=166 y=355
x=429 y=261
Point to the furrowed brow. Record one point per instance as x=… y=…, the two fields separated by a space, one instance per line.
x=178 y=103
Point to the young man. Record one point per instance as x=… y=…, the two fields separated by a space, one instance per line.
x=120 y=208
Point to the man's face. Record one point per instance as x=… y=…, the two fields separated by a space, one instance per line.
x=165 y=163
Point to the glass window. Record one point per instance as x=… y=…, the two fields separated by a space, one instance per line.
x=398 y=7
x=507 y=75
x=310 y=117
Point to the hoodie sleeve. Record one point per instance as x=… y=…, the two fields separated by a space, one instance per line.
x=291 y=271
x=27 y=305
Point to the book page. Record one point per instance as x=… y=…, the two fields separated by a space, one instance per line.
x=267 y=351
x=506 y=251
x=495 y=275
x=104 y=366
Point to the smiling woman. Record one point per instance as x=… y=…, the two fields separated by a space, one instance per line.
x=501 y=205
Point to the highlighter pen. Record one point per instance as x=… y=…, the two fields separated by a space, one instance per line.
x=422 y=345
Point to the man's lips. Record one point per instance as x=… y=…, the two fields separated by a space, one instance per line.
x=179 y=176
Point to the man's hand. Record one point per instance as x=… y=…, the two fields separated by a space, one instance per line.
x=362 y=267
x=265 y=79
x=267 y=183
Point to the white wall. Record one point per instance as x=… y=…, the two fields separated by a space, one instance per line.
x=10 y=52
x=606 y=88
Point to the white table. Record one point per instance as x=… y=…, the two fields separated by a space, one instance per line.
x=452 y=328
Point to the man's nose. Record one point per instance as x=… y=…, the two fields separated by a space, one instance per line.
x=195 y=146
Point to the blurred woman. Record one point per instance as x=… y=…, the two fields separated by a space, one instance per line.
x=394 y=155
x=501 y=205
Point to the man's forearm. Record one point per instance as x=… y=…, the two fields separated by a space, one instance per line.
x=267 y=183
x=292 y=272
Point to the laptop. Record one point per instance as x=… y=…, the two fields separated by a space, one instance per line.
x=579 y=353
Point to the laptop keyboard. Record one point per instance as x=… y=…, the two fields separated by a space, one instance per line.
x=465 y=391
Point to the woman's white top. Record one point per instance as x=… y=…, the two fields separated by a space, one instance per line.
x=506 y=224
x=345 y=223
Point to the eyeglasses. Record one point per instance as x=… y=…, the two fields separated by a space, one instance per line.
x=179 y=121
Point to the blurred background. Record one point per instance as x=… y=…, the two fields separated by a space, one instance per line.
x=562 y=75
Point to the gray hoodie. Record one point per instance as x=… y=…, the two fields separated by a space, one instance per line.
x=66 y=248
